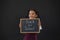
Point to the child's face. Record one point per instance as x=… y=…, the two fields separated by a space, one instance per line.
x=32 y=14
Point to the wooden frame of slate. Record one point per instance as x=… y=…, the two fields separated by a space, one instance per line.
x=29 y=25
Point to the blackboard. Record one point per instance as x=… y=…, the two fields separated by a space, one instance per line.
x=29 y=25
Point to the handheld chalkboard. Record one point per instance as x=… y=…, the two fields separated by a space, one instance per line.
x=29 y=25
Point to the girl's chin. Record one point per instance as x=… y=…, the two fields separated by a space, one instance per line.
x=31 y=18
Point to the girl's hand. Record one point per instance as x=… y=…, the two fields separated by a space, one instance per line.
x=20 y=24
x=39 y=23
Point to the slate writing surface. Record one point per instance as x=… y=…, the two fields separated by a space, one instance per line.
x=30 y=26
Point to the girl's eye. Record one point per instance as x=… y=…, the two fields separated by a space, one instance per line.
x=32 y=13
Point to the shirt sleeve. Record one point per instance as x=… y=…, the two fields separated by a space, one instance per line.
x=40 y=27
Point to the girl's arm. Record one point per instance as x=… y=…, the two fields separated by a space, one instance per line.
x=40 y=27
x=20 y=24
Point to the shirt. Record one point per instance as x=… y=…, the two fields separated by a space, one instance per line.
x=40 y=27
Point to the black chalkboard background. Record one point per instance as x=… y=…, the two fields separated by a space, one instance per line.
x=13 y=10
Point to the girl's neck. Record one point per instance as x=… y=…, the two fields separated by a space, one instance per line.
x=31 y=18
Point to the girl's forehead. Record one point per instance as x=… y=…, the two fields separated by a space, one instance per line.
x=31 y=11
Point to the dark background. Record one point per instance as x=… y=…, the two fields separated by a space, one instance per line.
x=13 y=10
